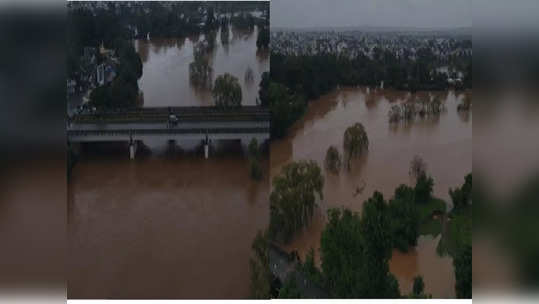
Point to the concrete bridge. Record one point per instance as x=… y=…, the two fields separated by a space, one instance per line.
x=171 y=123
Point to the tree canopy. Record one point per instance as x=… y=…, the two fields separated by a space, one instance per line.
x=356 y=250
x=463 y=273
x=404 y=218
x=227 y=91
x=418 y=167
x=355 y=141
x=261 y=276
x=285 y=107
x=293 y=198
x=333 y=160
x=462 y=196
x=423 y=188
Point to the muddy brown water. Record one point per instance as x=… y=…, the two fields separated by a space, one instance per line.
x=166 y=82
x=169 y=224
x=444 y=143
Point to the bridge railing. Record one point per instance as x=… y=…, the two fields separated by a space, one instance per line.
x=254 y=113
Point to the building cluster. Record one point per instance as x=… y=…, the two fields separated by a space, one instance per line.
x=97 y=67
x=357 y=43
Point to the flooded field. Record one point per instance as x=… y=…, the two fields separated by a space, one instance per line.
x=445 y=144
x=166 y=80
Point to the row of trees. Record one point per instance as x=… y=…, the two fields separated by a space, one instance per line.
x=306 y=77
x=408 y=111
x=314 y=75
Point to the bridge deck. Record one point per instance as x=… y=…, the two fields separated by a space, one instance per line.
x=193 y=123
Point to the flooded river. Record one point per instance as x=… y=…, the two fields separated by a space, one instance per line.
x=169 y=224
x=445 y=144
x=166 y=82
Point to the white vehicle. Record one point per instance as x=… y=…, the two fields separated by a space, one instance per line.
x=173 y=119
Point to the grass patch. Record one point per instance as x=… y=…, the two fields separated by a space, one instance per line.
x=428 y=225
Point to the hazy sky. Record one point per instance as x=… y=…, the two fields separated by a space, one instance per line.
x=379 y=13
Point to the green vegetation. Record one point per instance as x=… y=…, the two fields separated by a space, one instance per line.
x=333 y=160
x=285 y=107
x=254 y=160
x=459 y=227
x=356 y=250
x=427 y=224
x=315 y=75
x=123 y=92
x=309 y=269
x=355 y=142
x=404 y=218
x=290 y=289
x=227 y=91
x=423 y=189
x=462 y=196
x=418 y=291
x=463 y=273
x=261 y=277
x=200 y=71
x=408 y=111
x=292 y=200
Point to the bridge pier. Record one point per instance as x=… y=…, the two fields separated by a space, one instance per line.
x=132 y=149
x=206 y=147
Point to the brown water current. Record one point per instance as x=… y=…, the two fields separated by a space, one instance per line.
x=444 y=143
x=166 y=79
x=170 y=225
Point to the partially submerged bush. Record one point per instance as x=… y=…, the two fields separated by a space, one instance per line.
x=333 y=160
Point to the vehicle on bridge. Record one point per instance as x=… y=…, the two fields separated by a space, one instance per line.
x=173 y=119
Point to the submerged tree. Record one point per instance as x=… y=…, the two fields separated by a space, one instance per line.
x=261 y=276
x=418 y=167
x=293 y=198
x=355 y=141
x=200 y=70
x=333 y=160
x=254 y=160
x=249 y=75
x=227 y=91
